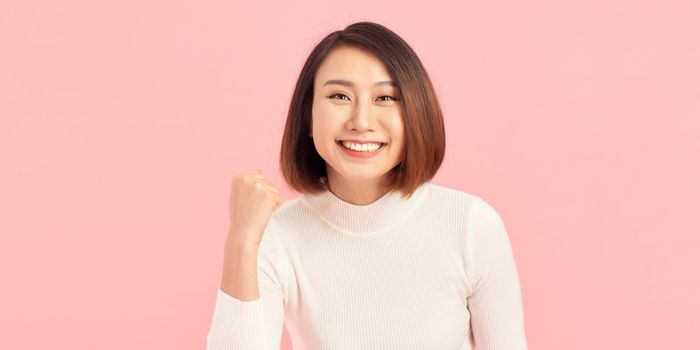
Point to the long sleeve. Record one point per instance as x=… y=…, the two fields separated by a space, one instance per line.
x=254 y=324
x=495 y=302
x=432 y=271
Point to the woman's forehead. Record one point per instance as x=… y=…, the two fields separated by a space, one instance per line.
x=354 y=67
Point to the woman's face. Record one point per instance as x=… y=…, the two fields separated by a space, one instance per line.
x=354 y=100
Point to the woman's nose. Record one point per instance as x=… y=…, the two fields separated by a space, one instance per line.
x=361 y=118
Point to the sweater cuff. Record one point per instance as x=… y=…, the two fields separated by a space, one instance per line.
x=237 y=322
x=229 y=308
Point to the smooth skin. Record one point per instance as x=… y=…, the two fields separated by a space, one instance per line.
x=253 y=200
x=363 y=111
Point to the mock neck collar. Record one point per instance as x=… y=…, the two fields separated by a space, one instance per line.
x=364 y=219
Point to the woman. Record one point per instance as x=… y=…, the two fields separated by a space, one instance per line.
x=372 y=255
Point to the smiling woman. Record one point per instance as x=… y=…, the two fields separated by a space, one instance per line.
x=348 y=132
x=372 y=255
x=365 y=84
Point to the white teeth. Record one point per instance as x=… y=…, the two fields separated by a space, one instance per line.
x=365 y=147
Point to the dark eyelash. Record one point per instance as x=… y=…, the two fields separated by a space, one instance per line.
x=339 y=94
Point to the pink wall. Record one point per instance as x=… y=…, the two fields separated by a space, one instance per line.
x=122 y=123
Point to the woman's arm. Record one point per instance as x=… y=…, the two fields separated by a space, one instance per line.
x=495 y=300
x=249 y=309
x=239 y=276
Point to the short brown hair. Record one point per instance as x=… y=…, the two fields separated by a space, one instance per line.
x=301 y=165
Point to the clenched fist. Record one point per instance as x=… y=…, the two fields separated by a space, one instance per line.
x=252 y=202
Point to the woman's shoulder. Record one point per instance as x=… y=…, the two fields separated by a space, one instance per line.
x=289 y=210
x=450 y=195
x=449 y=192
x=464 y=199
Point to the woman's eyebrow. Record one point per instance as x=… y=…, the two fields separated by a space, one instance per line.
x=351 y=84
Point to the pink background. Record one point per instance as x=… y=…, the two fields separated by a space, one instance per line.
x=123 y=122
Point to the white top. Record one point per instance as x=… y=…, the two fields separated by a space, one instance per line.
x=434 y=271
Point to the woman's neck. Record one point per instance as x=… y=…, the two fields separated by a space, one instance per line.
x=357 y=192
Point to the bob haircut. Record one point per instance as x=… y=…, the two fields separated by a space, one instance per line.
x=301 y=165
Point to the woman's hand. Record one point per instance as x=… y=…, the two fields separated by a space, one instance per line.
x=252 y=202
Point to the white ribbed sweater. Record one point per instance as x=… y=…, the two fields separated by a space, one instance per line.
x=434 y=271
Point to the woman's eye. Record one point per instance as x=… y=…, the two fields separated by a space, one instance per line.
x=342 y=95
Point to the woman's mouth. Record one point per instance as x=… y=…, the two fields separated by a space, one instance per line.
x=361 y=150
